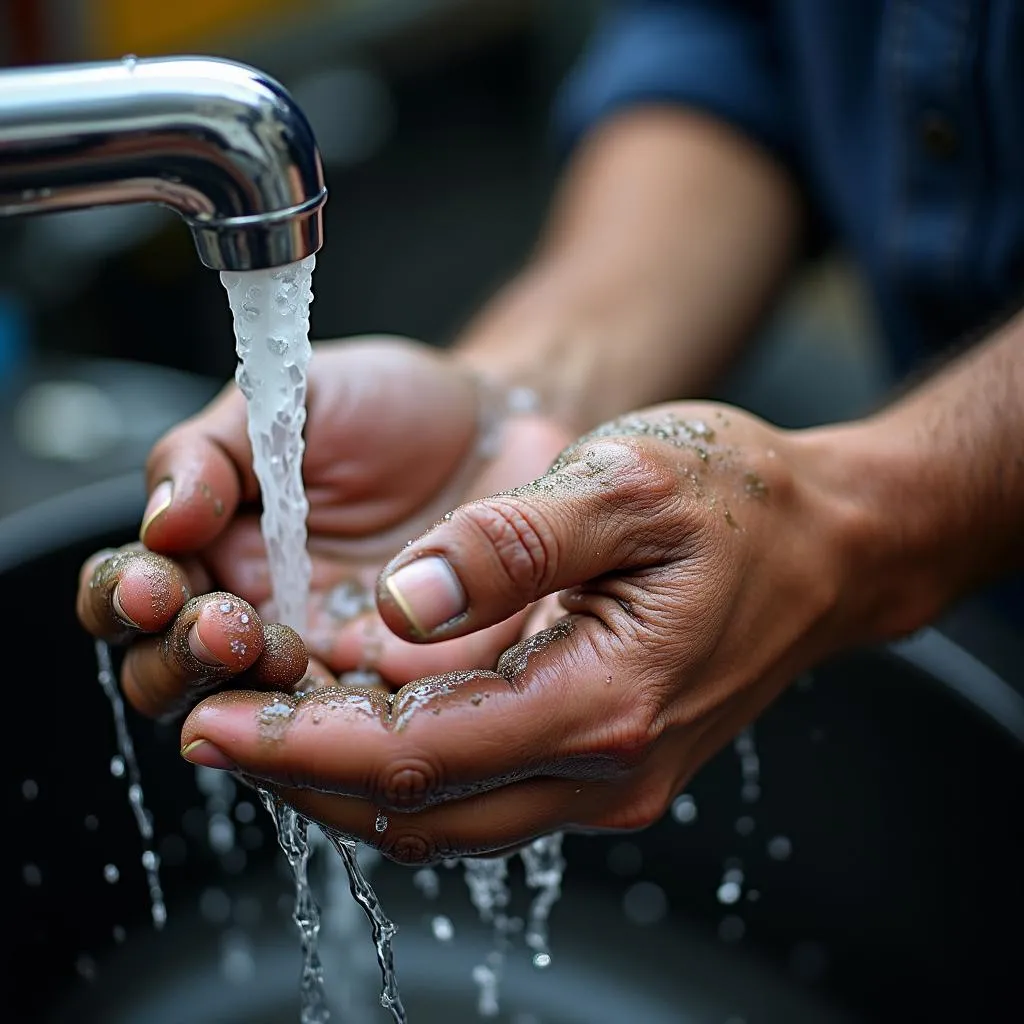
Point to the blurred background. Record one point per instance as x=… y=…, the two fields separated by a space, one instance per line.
x=433 y=120
x=885 y=853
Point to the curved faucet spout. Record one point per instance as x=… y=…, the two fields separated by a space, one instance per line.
x=221 y=143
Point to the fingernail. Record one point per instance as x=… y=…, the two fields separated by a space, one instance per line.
x=115 y=600
x=159 y=502
x=204 y=753
x=428 y=592
x=200 y=651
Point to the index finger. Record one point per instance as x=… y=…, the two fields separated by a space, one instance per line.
x=196 y=475
x=550 y=711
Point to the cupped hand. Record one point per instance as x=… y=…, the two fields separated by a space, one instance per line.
x=396 y=435
x=698 y=561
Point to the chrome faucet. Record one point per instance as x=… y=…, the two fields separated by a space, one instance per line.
x=221 y=143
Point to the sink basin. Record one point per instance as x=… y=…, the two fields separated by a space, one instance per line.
x=880 y=862
x=606 y=971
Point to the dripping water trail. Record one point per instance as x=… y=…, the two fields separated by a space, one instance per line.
x=545 y=867
x=487 y=881
x=293 y=837
x=382 y=927
x=144 y=820
x=270 y=310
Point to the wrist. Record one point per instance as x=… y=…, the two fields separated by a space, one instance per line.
x=536 y=345
x=590 y=342
x=894 y=540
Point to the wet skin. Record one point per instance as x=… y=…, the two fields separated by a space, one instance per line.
x=671 y=574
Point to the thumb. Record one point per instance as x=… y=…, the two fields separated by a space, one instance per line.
x=196 y=475
x=605 y=507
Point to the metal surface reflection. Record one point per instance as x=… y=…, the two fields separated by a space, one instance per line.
x=222 y=144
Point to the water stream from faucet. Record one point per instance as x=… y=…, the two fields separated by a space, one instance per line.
x=271 y=320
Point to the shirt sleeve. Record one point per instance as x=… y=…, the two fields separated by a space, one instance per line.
x=717 y=56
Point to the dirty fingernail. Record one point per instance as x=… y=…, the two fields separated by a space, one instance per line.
x=159 y=502
x=199 y=650
x=115 y=600
x=204 y=753
x=428 y=593
x=93 y=562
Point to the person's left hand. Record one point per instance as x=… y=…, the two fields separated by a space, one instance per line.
x=703 y=563
x=397 y=433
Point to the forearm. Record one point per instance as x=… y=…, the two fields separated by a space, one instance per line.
x=934 y=487
x=666 y=242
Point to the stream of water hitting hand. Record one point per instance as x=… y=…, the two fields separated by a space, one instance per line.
x=271 y=318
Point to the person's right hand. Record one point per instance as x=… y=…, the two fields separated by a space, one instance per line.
x=393 y=441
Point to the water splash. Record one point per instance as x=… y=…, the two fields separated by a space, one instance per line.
x=129 y=763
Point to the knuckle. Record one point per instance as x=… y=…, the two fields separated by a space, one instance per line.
x=149 y=692
x=410 y=846
x=644 y=807
x=627 y=741
x=162 y=449
x=645 y=482
x=523 y=542
x=408 y=784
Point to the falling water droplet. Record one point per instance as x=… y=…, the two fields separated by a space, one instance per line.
x=729 y=892
x=127 y=763
x=111 y=873
x=86 y=967
x=645 y=903
x=427 y=882
x=442 y=927
x=684 y=809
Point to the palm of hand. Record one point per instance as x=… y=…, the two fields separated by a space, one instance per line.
x=393 y=442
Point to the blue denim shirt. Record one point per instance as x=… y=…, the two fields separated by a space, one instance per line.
x=904 y=120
